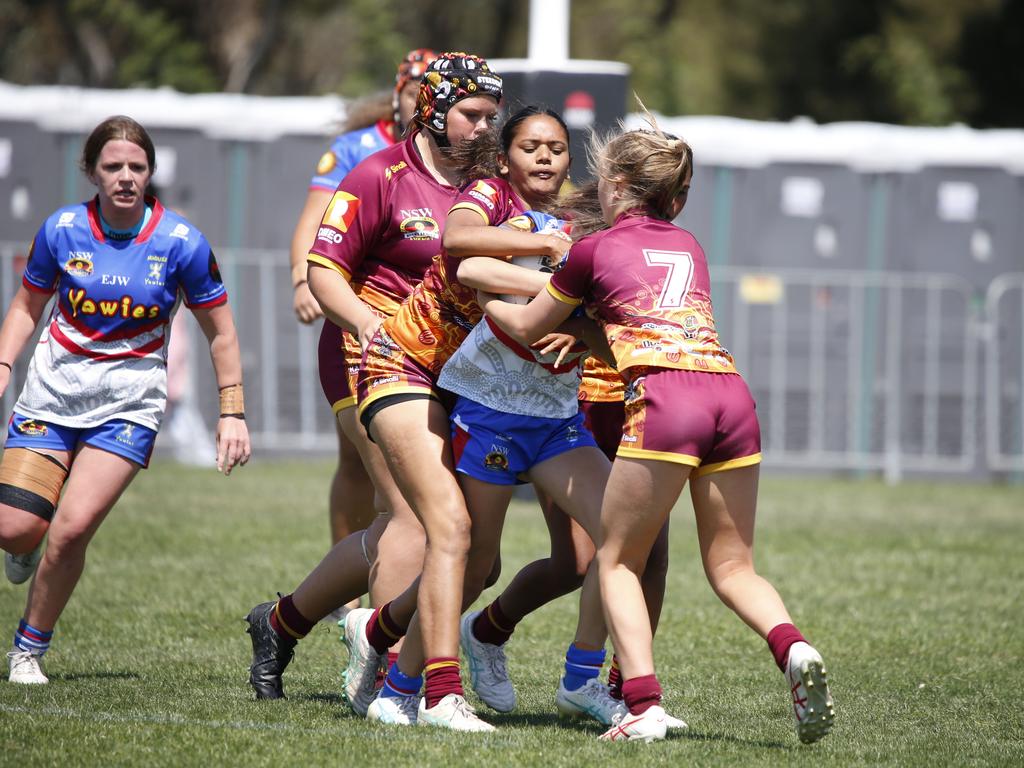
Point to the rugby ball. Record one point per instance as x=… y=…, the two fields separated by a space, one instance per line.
x=539 y=263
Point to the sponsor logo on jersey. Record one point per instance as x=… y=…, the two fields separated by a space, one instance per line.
x=391 y=170
x=156 y=273
x=32 y=428
x=386 y=380
x=125 y=307
x=327 y=163
x=115 y=280
x=497 y=459
x=485 y=193
x=79 y=263
x=329 y=235
x=66 y=219
x=420 y=228
x=368 y=141
x=126 y=434
x=180 y=231
x=342 y=211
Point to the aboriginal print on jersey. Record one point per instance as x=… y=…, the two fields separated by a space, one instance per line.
x=651 y=290
x=441 y=311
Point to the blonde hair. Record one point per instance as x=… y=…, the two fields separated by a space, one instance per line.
x=651 y=165
x=368 y=111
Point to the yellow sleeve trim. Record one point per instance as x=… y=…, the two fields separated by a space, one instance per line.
x=323 y=261
x=468 y=206
x=722 y=466
x=557 y=294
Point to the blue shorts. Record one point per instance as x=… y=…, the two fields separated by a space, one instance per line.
x=124 y=438
x=497 y=447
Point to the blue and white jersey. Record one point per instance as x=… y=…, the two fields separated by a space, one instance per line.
x=347 y=151
x=492 y=369
x=103 y=353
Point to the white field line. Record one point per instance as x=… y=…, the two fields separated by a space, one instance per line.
x=160 y=719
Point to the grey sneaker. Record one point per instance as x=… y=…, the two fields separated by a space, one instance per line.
x=488 y=669
x=589 y=700
x=394 y=710
x=19 y=568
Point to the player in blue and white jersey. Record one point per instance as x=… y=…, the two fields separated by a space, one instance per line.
x=116 y=267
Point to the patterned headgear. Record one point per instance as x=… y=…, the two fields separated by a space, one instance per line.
x=413 y=66
x=449 y=78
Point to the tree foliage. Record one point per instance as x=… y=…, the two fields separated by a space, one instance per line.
x=902 y=61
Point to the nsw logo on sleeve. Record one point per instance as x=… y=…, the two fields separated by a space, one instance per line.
x=341 y=211
x=485 y=193
x=327 y=163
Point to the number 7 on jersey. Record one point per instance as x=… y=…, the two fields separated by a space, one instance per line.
x=679 y=277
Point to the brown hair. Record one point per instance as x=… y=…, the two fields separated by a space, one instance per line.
x=651 y=164
x=118 y=127
x=368 y=111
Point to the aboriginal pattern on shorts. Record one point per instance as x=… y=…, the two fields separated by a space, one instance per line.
x=124 y=438
x=604 y=420
x=704 y=420
x=601 y=383
x=387 y=369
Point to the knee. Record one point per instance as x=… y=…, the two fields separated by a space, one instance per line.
x=20 y=531
x=720 y=572
x=449 y=533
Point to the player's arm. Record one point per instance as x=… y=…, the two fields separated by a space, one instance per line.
x=527 y=323
x=306 y=307
x=19 y=324
x=468 y=233
x=218 y=324
x=339 y=302
x=494 y=276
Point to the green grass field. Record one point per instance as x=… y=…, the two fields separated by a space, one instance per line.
x=913 y=594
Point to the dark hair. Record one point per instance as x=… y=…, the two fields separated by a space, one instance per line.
x=508 y=130
x=478 y=158
x=118 y=127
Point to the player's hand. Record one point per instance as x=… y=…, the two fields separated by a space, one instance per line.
x=233 y=448
x=555 y=341
x=307 y=308
x=558 y=244
x=367 y=330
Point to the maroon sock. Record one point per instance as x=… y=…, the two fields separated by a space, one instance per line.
x=382 y=631
x=286 y=620
x=441 y=677
x=615 y=679
x=779 y=640
x=641 y=693
x=493 y=626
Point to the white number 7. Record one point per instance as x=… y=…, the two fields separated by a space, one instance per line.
x=678 y=279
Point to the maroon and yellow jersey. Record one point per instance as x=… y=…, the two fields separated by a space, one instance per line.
x=439 y=313
x=382 y=228
x=600 y=383
x=648 y=280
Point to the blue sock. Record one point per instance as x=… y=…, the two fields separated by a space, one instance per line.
x=398 y=684
x=581 y=666
x=30 y=639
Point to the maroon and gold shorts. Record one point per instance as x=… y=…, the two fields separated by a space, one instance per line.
x=339 y=356
x=387 y=369
x=605 y=421
x=703 y=420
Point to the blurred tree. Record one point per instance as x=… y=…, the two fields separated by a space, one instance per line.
x=903 y=61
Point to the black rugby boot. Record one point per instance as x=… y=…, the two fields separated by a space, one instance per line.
x=270 y=653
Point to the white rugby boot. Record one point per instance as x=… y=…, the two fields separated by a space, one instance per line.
x=452 y=712
x=646 y=727
x=25 y=668
x=394 y=710
x=808 y=686
x=589 y=700
x=360 y=676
